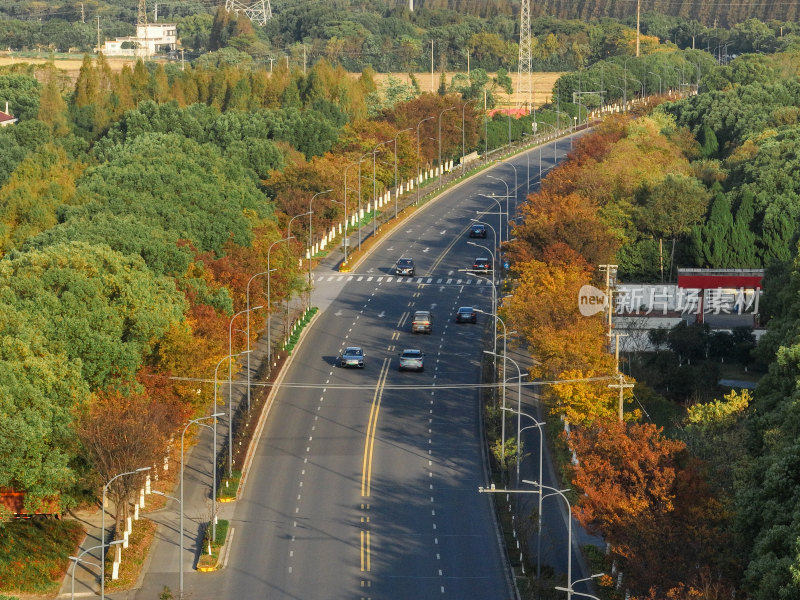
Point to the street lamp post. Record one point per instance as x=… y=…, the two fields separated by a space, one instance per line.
x=396 y=189
x=516 y=189
x=440 y=141
x=77 y=559
x=346 y=222
x=103 y=528
x=508 y=194
x=375 y=189
x=213 y=499
x=572 y=584
x=463 y=134
x=419 y=180
x=249 y=281
x=553 y=492
x=499 y=232
x=310 y=241
x=538 y=425
x=269 y=300
x=659 y=81
x=503 y=413
x=230 y=381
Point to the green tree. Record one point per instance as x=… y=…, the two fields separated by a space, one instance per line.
x=178 y=184
x=22 y=94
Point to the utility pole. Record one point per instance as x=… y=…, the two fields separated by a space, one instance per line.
x=609 y=269
x=183 y=64
x=411 y=5
x=270 y=63
x=621 y=385
x=638 y=10
x=98 y=33
x=433 y=86
x=155 y=13
x=83 y=14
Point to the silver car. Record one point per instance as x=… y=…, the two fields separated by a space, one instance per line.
x=412 y=360
x=352 y=357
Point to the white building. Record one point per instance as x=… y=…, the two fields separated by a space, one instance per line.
x=150 y=40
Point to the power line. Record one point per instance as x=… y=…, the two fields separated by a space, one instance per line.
x=431 y=386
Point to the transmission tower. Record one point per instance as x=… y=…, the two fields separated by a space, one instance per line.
x=524 y=75
x=259 y=11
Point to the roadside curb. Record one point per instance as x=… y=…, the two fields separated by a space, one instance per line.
x=222 y=559
x=262 y=419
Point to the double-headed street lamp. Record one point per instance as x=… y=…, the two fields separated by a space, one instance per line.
x=396 y=189
x=659 y=81
x=269 y=299
x=310 y=240
x=463 y=135
x=375 y=188
x=508 y=194
x=103 y=528
x=346 y=223
x=78 y=559
x=440 y=141
x=553 y=492
x=571 y=586
x=419 y=181
x=180 y=500
x=230 y=376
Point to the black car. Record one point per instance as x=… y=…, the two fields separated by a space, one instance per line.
x=477 y=231
x=482 y=265
x=466 y=314
x=404 y=266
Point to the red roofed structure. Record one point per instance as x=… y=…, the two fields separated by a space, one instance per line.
x=6 y=118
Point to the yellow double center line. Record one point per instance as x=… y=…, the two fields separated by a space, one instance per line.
x=369 y=448
x=369 y=442
x=444 y=252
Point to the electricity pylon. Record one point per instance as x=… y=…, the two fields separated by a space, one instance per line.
x=524 y=74
x=258 y=12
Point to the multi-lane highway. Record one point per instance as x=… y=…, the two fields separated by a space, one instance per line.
x=364 y=483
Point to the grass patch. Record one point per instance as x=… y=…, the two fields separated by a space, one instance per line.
x=229 y=486
x=298 y=329
x=209 y=560
x=34 y=553
x=133 y=557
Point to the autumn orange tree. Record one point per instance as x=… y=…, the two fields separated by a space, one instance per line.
x=641 y=491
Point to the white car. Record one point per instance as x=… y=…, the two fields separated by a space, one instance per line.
x=411 y=359
x=352 y=356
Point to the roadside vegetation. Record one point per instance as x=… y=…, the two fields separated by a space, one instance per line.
x=33 y=554
x=699 y=484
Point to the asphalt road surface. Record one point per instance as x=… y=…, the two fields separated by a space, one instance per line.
x=364 y=483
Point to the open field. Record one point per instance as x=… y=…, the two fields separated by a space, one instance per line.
x=542 y=82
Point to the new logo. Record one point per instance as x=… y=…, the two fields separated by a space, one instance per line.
x=591 y=300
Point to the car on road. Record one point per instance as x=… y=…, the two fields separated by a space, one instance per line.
x=482 y=265
x=404 y=266
x=477 y=231
x=422 y=322
x=352 y=356
x=412 y=360
x=466 y=314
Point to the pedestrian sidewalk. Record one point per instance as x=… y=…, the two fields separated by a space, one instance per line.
x=87 y=571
